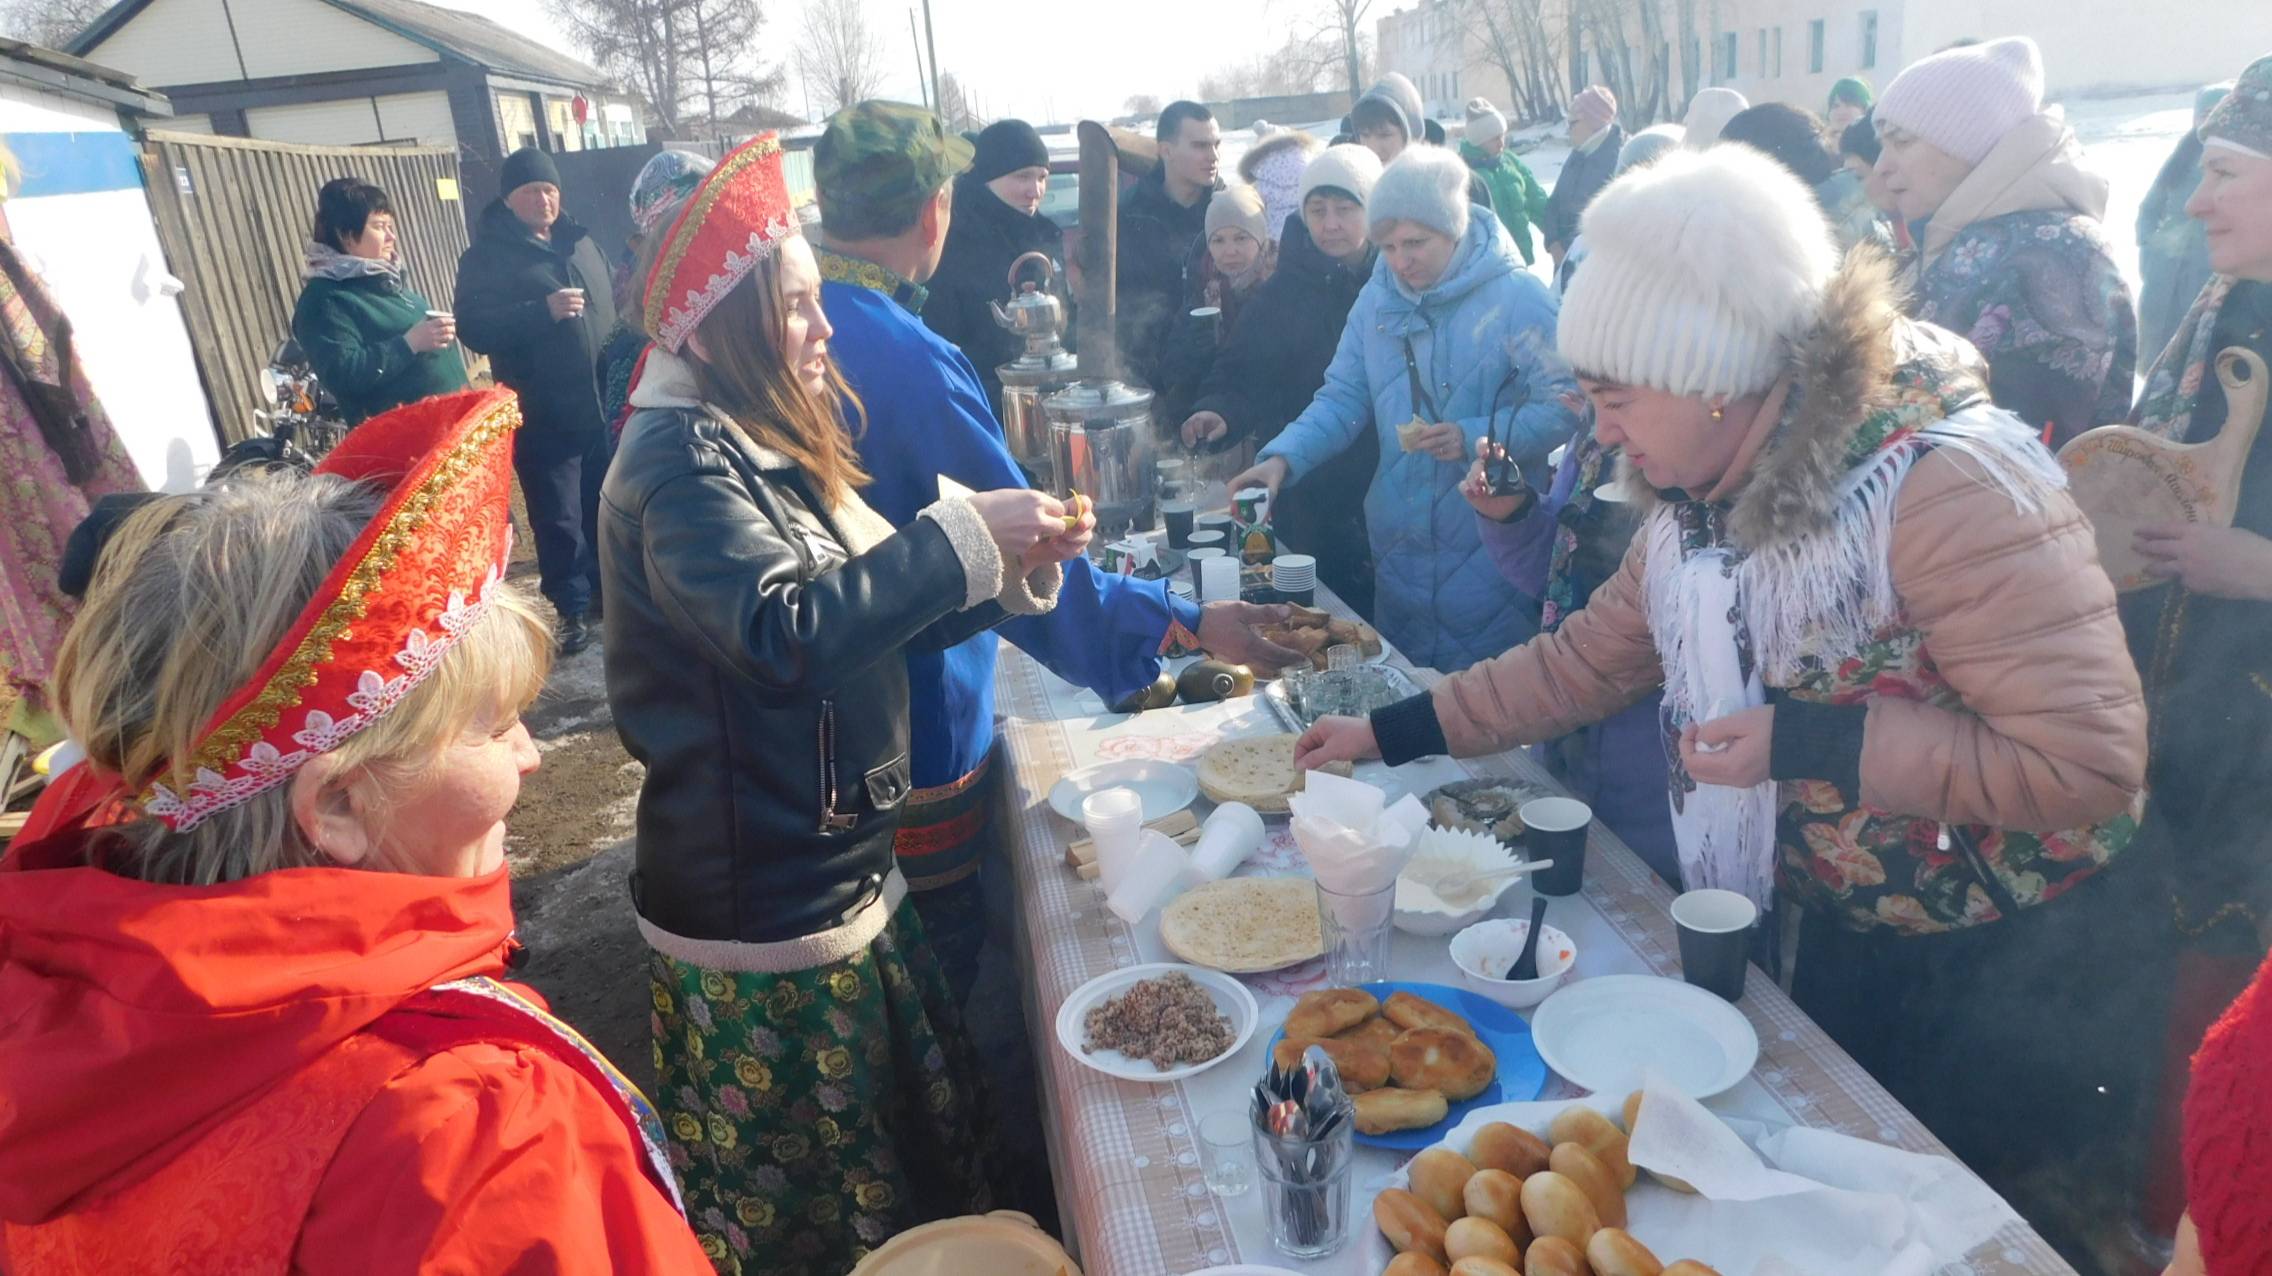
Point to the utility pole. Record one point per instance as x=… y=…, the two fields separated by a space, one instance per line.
x=922 y=81
x=931 y=42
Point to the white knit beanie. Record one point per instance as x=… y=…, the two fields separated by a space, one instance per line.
x=1709 y=112
x=1426 y=184
x=1347 y=167
x=1484 y=121
x=1702 y=269
x=1239 y=207
x=1964 y=100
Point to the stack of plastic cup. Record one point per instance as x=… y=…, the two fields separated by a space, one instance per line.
x=1219 y=580
x=1115 y=820
x=1294 y=576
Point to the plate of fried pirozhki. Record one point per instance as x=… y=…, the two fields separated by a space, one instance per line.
x=1519 y=1202
x=1415 y=1058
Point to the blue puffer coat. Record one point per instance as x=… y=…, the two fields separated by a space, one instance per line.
x=1439 y=598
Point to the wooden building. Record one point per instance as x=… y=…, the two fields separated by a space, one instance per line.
x=357 y=72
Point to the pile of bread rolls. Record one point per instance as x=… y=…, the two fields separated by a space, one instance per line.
x=1519 y=1205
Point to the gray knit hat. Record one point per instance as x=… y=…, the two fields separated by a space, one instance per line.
x=1426 y=184
x=1240 y=207
x=1348 y=168
x=1483 y=121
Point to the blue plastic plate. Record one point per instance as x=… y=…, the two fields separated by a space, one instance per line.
x=1522 y=1074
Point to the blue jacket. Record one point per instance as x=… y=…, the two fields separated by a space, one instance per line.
x=1439 y=599
x=928 y=417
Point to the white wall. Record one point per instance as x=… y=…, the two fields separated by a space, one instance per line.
x=99 y=253
x=191 y=41
x=425 y=116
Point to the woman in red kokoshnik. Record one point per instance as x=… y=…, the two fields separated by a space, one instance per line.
x=251 y=950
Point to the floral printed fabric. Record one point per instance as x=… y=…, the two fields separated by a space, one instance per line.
x=1870 y=868
x=814 y=1115
x=2039 y=295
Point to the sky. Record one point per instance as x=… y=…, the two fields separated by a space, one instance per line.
x=1014 y=55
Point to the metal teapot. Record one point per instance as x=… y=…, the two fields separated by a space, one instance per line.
x=1043 y=369
x=1034 y=313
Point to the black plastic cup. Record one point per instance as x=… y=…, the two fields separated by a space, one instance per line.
x=1215 y=522
x=1178 y=515
x=1299 y=597
x=1554 y=828
x=1715 y=939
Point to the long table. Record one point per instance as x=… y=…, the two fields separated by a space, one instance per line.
x=1126 y=1155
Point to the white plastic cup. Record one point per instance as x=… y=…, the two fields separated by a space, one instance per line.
x=1115 y=821
x=1231 y=834
x=1219 y=580
x=1150 y=878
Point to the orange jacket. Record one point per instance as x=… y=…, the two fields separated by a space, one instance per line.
x=209 y=1079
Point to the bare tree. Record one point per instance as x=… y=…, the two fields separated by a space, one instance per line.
x=49 y=23
x=1514 y=37
x=1347 y=15
x=1142 y=104
x=954 y=105
x=690 y=58
x=1306 y=63
x=839 y=56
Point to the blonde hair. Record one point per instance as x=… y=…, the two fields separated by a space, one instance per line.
x=189 y=598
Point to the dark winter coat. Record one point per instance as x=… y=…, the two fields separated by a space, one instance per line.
x=1583 y=176
x=985 y=236
x=1267 y=373
x=1156 y=235
x=1187 y=353
x=503 y=280
x=352 y=331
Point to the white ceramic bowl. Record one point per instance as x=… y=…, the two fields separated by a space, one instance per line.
x=1418 y=912
x=1485 y=950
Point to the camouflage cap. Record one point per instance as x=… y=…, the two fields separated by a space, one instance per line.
x=2243 y=121
x=884 y=153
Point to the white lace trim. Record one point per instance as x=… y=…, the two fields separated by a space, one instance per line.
x=679 y=321
x=264 y=766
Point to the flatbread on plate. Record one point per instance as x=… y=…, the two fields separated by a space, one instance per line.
x=1244 y=925
x=1258 y=771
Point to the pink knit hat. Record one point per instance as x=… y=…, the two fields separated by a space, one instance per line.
x=1964 y=100
x=1595 y=104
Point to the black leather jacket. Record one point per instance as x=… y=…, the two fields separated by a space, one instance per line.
x=757 y=669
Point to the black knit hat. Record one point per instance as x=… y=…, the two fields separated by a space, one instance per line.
x=526 y=165
x=1004 y=147
x=1790 y=135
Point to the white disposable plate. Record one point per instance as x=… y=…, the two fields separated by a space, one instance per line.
x=1601 y=1032
x=1231 y=997
x=1164 y=787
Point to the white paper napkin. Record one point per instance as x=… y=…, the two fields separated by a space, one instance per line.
x=1800 y=1200
x=1355 y=840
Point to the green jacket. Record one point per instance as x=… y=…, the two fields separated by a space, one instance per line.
x=1515 y=195
x=352 y=331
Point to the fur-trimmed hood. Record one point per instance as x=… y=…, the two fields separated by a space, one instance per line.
x=1841 y=373
x=1290 y=139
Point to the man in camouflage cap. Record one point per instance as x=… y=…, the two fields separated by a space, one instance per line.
x=885 y=173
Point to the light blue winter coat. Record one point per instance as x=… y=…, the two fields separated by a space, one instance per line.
x=1439 y=598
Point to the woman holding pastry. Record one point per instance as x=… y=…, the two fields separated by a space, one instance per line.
x=1840 y=535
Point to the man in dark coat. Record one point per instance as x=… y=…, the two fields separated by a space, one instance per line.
x=534 y=294
x=1595 y=139
x=1275 y=360
x=1160 y=217
x=997 y=219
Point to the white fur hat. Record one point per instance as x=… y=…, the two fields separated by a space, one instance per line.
x=1709 y=112
x=1426 y=184
x=1702 y=269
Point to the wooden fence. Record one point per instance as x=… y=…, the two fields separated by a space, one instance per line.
x=234 y=216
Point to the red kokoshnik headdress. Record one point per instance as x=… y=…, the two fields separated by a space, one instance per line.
x=735 y=219
x=419 y=577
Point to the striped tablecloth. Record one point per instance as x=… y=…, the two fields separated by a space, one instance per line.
x=1127 y=1156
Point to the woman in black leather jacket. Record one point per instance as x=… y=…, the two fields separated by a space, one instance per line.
x=816 y=1086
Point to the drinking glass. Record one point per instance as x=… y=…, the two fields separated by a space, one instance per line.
x=1226 y=1142
x=1357 y=926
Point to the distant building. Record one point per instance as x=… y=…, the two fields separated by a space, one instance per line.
x=77 y=209
x=1794 y=50
x=351 y=72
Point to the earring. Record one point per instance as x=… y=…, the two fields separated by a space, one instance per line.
x=1719 y=414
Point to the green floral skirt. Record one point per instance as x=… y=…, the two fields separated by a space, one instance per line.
x=814 y=1115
